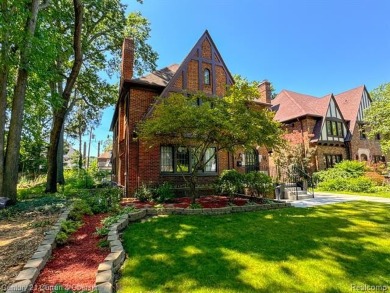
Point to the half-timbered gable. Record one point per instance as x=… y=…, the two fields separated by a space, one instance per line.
x=334 y=125
x=202 y=70
x=353 y=103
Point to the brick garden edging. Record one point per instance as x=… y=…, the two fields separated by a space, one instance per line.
x=105 y=277
x=25 y=280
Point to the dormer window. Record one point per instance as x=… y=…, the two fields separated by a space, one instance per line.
x=206 y=76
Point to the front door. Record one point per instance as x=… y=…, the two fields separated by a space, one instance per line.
x=251 y=160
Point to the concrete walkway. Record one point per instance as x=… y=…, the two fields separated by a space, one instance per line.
x=322 y=198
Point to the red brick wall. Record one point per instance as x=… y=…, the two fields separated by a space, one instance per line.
x=221 y=81
x=127 y=58
x=192 y=76
x=142 y=162
x=264 y=92
x=206 y=50
x=371 y=144
x=328 y=150
x=140 y=101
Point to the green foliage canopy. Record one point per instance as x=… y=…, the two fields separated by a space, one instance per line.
x=378 y=115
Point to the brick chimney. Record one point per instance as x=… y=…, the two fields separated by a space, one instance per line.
x=265 y=92
x=127 y=59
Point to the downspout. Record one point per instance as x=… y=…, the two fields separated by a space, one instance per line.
x=303 y=138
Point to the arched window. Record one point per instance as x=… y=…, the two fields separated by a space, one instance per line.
x=206 y=76
x=363 y=157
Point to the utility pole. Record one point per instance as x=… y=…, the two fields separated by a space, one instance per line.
x=89 y=146
x=85 y=153
x=99 y=148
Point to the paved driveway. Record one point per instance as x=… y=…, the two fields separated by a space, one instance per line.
x=324 y=198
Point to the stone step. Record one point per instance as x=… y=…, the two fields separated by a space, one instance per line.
x=287 y=185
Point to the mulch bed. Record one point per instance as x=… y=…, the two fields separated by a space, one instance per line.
x=212 y=201
x=74 y=265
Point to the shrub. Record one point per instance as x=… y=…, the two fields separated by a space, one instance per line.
x=375 y=177
x=195 y=206
x=359 y=184
x=144 y=193
x=62 y=238
x=79 y=209
x=103 y=231
x=230 y=182
x=67 y=227
x=258 y=183
x=70 y=226
x=77 y=179
x=164 y=193
x=344 y=169
x=102 y=200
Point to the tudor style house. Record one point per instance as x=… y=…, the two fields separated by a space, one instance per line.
x=333 y=125
x=203 y=69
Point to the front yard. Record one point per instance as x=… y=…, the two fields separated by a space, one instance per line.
x=329 y=248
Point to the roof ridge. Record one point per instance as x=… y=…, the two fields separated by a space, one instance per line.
x=360 y=86
x=293 y=100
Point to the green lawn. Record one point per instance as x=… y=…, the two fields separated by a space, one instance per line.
x=324 y=249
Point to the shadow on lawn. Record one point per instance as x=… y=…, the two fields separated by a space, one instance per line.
x=219 y=253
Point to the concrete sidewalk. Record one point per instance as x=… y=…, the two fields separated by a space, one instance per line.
x=322 y=198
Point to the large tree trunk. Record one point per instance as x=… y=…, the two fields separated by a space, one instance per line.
x=60 y=159
x=3 y=92
x=59 y=116
x=13 y=142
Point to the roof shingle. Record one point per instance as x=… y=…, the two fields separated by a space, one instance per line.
x=349 y=103
x=159 y=77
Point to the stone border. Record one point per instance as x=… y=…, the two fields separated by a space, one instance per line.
x=105 y=277
x=25 y=280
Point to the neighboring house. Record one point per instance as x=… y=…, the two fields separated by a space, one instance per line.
x=202 y=70
x=104 y=161
x=333 y=125
x=69 y=161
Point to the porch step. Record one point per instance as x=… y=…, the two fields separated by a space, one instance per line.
x=297 y=195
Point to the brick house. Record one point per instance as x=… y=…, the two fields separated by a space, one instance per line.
x=332 y=125
x=202 y=70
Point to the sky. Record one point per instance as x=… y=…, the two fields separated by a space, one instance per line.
x=314 y=47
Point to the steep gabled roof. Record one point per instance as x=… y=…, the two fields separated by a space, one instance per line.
x=290 y=105
x=159 y=77
x=193 y=52
x=349 y=103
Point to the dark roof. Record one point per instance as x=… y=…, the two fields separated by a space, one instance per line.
x=159 y=77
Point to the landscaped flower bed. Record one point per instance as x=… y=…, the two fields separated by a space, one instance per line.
x=212 y=201
x=74 y=265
